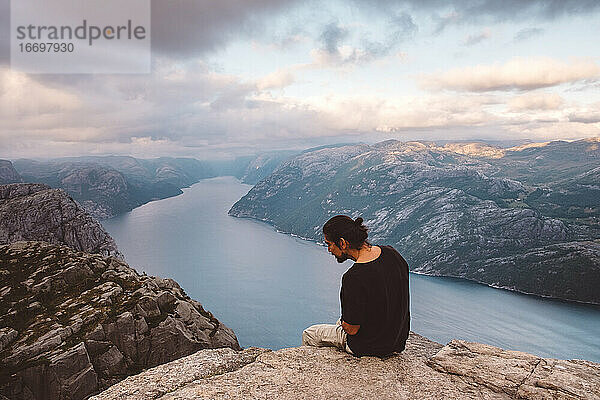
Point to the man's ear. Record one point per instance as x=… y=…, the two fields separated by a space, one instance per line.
x=343 y=244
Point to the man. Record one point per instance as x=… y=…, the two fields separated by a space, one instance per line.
x=374 y=296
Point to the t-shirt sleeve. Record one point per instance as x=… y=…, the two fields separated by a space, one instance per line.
x=353 y=301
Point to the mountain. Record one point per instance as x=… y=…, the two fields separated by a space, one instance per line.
x=74 y=323
x=8 y=174
x=262 y=165
x=564 y=177
x=108 y=186
x=38 y=212
x=74 y=317
x=523 y=218
x=163 y=171
x=252 y=168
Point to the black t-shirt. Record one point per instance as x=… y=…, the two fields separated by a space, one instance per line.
x=375 y=296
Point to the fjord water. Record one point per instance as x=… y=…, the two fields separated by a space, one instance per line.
x=268 y=286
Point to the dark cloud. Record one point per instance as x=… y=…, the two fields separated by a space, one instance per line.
x=399 y=28
x=332 y=36
x=402 y=27
x=516 y=9
x=505 y=9
x=527 y=33
x=474 y=11
x=191 y=27
x=183 y=28
x=477 y=11
x=585 y=118
x=442 y=22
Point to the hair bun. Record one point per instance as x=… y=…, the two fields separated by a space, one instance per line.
x=358 y=221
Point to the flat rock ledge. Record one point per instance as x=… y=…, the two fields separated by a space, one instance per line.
x=425 y=370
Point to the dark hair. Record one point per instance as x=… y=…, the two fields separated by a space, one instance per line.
x=342 y=226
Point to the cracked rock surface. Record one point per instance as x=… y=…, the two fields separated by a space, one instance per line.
x=517 y=374
x=74 y=323
x=425 y=370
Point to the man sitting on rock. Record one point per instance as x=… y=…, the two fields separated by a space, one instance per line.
x=374 y=296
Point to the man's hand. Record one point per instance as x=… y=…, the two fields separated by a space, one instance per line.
x=350 y=329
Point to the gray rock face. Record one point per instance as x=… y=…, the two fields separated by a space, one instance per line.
x=8 y=173
x=74 y=323
x=37 y=212
x=425 y=370
x=458 y=210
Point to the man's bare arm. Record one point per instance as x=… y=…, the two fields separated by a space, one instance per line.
x=350 y=329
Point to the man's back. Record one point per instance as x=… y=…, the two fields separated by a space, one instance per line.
x=375 y=295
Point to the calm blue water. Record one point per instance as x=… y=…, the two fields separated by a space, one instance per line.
x=268 y=286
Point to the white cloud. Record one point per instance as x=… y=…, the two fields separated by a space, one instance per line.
x=189 y=109
x=586 y=116
x=370 y=113
x=535 y=101
x=22 y=97
x=519 y=73
x=276 y=80
x=554 y=130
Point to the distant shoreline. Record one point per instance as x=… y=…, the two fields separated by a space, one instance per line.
x=591 y=304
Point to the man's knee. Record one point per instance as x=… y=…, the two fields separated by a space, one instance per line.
x=322 y=335
x=308 y=336
x=305 y=338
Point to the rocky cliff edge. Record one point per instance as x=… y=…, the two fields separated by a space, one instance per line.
x=73 y=323
x=425 y=370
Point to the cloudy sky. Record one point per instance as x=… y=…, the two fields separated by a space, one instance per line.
x=242 y=76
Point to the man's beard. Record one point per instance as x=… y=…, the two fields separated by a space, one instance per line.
x=341 y=258
x=344 y=257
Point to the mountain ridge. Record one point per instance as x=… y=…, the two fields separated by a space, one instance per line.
x=448 y=212
x=107 y=186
